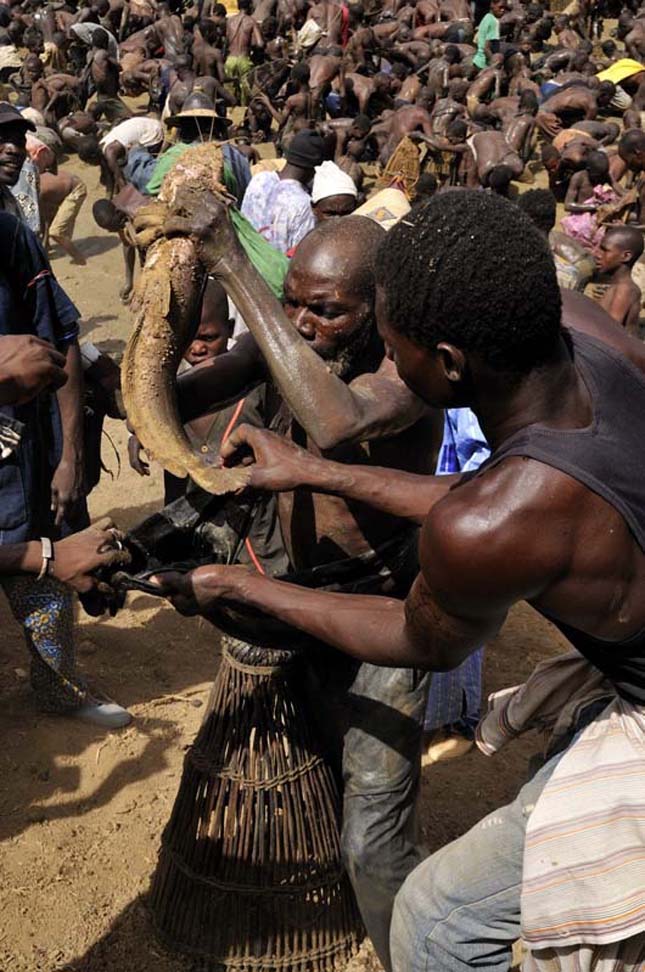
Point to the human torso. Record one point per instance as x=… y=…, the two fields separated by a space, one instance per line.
x=238 y=32
x=318 y=528
x=594 y=476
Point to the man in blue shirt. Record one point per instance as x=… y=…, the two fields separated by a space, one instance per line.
x=41 y=477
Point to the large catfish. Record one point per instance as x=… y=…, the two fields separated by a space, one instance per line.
x=166 y=305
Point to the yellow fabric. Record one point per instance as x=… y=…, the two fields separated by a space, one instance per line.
x=62 y=225
x=621 y=70
x=386 y=207
x=268 y=165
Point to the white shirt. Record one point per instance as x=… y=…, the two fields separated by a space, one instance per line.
x=279 y=209
x=135 y=131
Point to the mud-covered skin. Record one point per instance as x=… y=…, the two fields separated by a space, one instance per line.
x=166 y=307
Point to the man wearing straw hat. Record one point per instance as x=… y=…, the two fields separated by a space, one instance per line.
x=197 y=122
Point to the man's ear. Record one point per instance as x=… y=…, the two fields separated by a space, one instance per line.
x=452 y=361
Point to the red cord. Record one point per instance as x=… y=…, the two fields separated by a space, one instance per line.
x=229 y=428
x=256 y=563
x=234 y=418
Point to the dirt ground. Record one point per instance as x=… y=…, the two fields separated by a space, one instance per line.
x=81 y=812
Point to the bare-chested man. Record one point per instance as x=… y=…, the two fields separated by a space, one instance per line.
x=323 y=70
x=170 y=31
x=536 y=388
x=491 y=162
x=242 y=33
x=389 y=131
x=579 y=102
x=567 y=37
x=372 y=95
x=207 y=57
x=103 y=71
x=517 y=115
x=328 y=339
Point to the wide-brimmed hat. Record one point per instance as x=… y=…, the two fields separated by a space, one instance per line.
x=174 y=121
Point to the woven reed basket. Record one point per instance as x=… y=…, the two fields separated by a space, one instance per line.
x=249 y=875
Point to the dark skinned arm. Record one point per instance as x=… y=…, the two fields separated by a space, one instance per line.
x=470 y=577
x=571 y=204
x=439 y=143
x=330 y=411
x=216 y=383
x=67 y=482
x=115 y=155
x=281 y=466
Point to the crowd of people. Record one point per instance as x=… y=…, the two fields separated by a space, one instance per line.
x=436 y=376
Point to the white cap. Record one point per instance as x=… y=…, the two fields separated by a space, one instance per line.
x=33 y=115
x=330 y=180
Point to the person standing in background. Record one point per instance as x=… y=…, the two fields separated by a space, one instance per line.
x=454 y=699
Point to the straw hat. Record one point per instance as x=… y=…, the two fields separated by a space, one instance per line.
x=174 y=121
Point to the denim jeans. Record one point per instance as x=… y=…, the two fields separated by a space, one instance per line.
x=460 y=908
x=370 y=721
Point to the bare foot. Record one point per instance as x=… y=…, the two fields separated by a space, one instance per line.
x=71 y=250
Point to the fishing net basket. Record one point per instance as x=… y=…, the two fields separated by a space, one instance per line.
x=249 y=874
x=403 y=168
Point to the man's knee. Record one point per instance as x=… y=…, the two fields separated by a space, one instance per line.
x=375 y=849
x=357 y=851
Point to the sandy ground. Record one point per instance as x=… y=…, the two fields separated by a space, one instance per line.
x=81 y=812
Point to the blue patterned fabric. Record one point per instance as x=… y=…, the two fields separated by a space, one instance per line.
x=454 y=699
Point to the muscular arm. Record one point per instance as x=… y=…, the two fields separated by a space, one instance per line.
x=282 y=466
x=67 y=484
x=438 y=142
x=470 y=577
x=330 y=411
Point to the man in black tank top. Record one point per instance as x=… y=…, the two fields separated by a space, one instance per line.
x=470 y=311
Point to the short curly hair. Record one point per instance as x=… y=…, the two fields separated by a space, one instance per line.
x=471 y=269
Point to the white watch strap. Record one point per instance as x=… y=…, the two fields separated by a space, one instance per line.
x=47 y=555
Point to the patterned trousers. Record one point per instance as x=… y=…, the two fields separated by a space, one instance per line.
x=44 y=608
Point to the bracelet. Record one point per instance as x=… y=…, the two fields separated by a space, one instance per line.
x=47 y=555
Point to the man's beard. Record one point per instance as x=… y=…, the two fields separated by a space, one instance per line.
x=347 y=360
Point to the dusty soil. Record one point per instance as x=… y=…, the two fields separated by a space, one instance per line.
x=81 y=812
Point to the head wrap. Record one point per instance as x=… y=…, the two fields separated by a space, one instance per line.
x=330 y=180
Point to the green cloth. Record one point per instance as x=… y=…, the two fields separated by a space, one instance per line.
x=270 y=263
x=172 y=155
x=237 y=67
x=488 y=31
x=164 y=164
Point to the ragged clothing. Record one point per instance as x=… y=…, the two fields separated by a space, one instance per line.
x=583 y=897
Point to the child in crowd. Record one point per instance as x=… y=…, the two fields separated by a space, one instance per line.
x=615 y=256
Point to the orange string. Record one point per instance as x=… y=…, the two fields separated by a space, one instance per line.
x=229 y=428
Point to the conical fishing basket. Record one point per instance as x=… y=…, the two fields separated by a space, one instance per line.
x=249 y=875
x=403 y=169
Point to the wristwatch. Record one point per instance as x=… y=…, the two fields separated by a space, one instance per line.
x=47 y=555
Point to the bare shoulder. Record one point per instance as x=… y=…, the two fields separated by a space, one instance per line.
x=580 y=313
x=501 y=536
x=384 y=394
